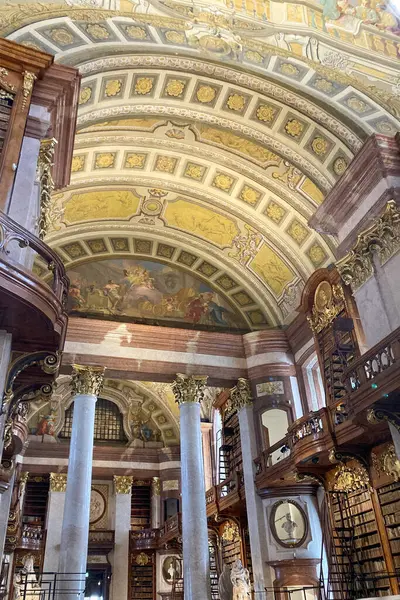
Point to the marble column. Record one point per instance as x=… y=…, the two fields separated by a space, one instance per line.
x=242 y=400
x=86 y=385
x=54 y=520
x=189 y=391
x=122 y=525
x=155 y=503
x=5 y=355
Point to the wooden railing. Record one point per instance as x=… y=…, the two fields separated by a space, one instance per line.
x=32 y=538
x=374 y=364
x=11 y=232
x=101 y=539
x=145 y=538
x=311 y=424
x=172 y=529
x=273 y=455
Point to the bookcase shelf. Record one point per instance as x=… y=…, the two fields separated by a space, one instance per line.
x=140 y=507
x=142 y=576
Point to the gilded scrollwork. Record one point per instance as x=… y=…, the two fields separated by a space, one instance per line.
x=328 y=303
x=27 y=87
x=240 y=397
x=387 y=463
x=48 y=215
x=382 y=239
x=156 y=486
x=58 y=482
x=123 y=484
x=87 y=380
x=189 y=388
x=230 y=532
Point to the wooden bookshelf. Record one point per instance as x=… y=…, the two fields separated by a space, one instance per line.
x=142 y=575
x=35 y=503
x=230 y=459
x=231 y=551
x=358 y=541
x=389 y=500
x=140 y=507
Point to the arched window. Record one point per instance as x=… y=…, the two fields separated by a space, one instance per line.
x=108 y=422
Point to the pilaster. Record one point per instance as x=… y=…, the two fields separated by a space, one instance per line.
x=122 y=526
x=54 y=520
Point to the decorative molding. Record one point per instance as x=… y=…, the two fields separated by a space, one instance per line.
x=58 y=482
x=87 y=380
x=328 y=303
x=123 y=484
x=382 y=240
x=189 y=388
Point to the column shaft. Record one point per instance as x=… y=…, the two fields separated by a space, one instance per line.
x=196 y=567
x=5 y=503
x=54 y=521
x=122 y=527
x=75 y=529
x=155 y=503
x=5 y=355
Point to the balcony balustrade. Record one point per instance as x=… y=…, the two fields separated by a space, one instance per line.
x=22 y=289
x=145 y=539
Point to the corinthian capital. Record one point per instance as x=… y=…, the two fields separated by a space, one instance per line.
x=240 y=395
x=123 y=484
x=87 y=380
x=189 y=388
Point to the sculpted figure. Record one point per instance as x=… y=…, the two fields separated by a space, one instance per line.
x=240 y=582
x=225 y=586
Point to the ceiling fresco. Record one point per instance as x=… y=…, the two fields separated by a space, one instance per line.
x=148 y=291
x=208 y=135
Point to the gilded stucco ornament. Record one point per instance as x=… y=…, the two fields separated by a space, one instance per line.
x=87 y=380
x=189 y=388
x=328 y=303
x=350 y=479
x=381 y=240
x=123 y=484
x=49 y=215
x=240 y=397
x=230 y=532
x=387 y=463
x=27 y=87
x=58 y=482
x=156 y=486
x=378 y=415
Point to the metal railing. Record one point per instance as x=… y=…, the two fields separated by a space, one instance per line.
x=48 y=586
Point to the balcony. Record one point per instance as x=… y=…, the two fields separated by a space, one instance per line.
x=145 y=539
x=101 y=541
x=35 y=308
x=374 y=375
x=172 y=529
x=226 y=496
x=32 y=538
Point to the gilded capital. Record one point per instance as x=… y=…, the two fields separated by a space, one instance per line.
x=189 y=388
x=156 y=486
x=380 y=240
x=58 y=482
x=241 y=395
x=87 y=380
x=123 y=484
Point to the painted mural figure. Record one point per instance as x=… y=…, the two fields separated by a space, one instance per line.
x=147 y=290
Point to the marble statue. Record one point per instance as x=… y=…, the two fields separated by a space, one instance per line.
x=240 y=581
x=17 y=585
x=32 y=586
x=225 y=586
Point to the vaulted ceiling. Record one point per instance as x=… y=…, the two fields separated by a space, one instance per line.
x=208 y=135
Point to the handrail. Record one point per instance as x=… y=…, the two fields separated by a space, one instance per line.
x=10 y=231
x=370 y=364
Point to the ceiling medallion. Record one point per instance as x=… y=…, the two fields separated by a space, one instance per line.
x=175 y=88
x=205 y=94
x=143 y=85
x=294 y=128
x=113 y=87
x=85 y=95
x=339 y=165
x=98 y=32
x=236 y=102
x=319 y=146
x=265 y=113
